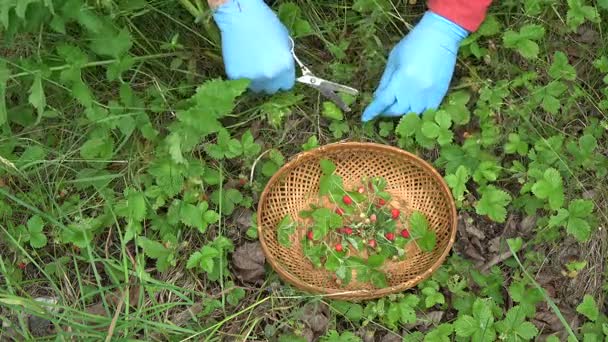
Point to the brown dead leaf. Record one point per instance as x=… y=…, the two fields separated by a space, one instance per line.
x=242 y=218
x=527 y=224
x=391 y=337
x=316 y=316
x=366 y=334
x=431 y=319
x=40 y=327
x=248 y=262
x=472 y=229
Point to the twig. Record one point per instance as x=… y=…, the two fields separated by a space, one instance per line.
x=115 y=318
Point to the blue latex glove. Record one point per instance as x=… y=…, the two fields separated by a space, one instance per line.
x=419 y=69
x=255 y=45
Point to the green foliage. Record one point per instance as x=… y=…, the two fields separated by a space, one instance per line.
x=493 y=203
x=525 y=40
x=550 y=187
x=480 y=325
x=515 y=328
x=574 y=219
x=126 y=158
x=588 y=308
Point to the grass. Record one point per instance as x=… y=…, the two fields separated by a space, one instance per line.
x=99 y=198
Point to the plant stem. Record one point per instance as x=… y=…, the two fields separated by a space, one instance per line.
x=92 y=64
x=196 y=13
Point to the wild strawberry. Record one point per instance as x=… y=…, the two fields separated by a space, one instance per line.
x=395 y=213
x=381 y=201
x=405 y=233
x=347 y=230
x=361 y=190
x=347 y=200
x=309 y=235
x=339 y=247
x=372 y=243
x=339 y=211
x=373 y=217
x=21 y=265
x=390 y=236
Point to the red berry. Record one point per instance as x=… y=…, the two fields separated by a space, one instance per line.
x=361 y=190
x=339 y=211
x=395 y=213
x=309 y=235
x=372 y=243
x=381 y=201
x=347 y=230
x=390 y=236
x=339 y=247
x=21 y=265
x=347 y=200
x=405 y=233
x=373 y=217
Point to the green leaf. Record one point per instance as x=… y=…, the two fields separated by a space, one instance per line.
x=404 y=310
x=480 y=326
x=311 y=143
x=111 y=42
x=332 y=111
x=457 y=182
x=35 y=227
x=516 y=145
x=526 y=296
x=226 y=147
x=4 y=76
x=339 y=128
x=285 y=229
x=334 y=336
x=192 y=216
x=588 y=308
x=250 y=148
x=156 y=250
x=419 y=230
x=487 y=171
x=493 y=203
x=376 y=260
x=515 y=328
x=136 y=204
x=408 y=125
x=351 y=311
x=465 y=326
x=327 y=166
x=386 y=128
x=430 y=129
x=290 y=16
x=579 y=12
x=524 y=40
x=561 y=69
x=213 y=100
x=442 y=333
x=550 y=187
x=433 y=297
x=37 y=98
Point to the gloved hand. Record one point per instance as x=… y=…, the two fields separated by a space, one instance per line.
x=255 y=45
x=419 y=69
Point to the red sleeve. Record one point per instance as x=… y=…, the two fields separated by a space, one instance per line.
x=467 y=13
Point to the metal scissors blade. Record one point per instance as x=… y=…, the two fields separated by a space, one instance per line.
x=325 y=87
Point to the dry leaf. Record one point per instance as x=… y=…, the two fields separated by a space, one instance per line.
x=248 y=262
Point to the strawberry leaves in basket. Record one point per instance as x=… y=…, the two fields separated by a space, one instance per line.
x=359 y=229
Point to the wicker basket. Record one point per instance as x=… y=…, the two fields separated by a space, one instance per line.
x=411 y=181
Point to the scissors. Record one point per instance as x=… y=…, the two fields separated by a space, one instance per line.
x=325 y=87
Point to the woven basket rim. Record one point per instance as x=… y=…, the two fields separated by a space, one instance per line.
x=356 y=294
